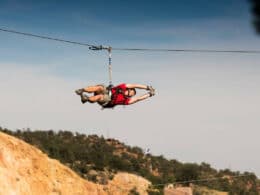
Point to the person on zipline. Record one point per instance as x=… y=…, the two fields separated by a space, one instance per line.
x=110 y=96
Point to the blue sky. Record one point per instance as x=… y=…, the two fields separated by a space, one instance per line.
x=171 y=24
x=118 y=23
x=207 y=105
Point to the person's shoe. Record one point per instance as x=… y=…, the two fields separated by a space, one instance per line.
x=84 y=98
x=79 y=91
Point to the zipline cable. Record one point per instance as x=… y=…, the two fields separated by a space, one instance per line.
x=187 y=50
x=45 y=37
x=204 y=180
x=95 y=47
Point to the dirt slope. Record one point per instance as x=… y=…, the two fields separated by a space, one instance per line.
x=25 y=170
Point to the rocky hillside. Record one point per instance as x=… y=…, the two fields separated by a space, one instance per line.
x=102 y=161
x=25 y=170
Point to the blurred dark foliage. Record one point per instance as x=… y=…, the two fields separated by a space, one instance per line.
x=256 y=13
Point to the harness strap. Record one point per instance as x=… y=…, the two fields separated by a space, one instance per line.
x=109 y=93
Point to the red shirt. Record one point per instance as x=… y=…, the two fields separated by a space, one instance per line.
x=118 y=97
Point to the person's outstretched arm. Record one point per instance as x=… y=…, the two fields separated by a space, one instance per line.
x=140 y=98
x=138 y=86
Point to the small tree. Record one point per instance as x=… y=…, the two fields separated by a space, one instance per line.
x=187 y=172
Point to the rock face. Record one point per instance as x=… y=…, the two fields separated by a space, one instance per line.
x=25 y=170
x=178 y=191
x=170 y=190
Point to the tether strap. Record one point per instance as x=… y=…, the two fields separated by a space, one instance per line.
x=110 y=65
x=109 y=49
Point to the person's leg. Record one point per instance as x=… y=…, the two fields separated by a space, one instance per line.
x=96 y=88
x=91 y=99
x=96 y=98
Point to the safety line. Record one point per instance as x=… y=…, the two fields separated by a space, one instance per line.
x=95 y=47
x=45 y=37
x=204 y=180
x=188 y=50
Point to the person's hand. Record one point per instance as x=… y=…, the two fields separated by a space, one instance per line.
x=149 y=88
x=151 y=91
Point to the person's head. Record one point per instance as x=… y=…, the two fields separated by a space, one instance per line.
x=130 y=92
